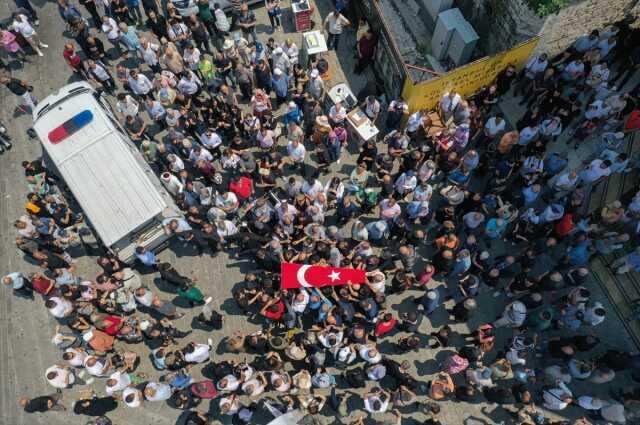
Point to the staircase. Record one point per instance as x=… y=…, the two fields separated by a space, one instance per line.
x=621 y=290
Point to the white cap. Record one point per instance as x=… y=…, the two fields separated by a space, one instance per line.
x=277 y=71
x=315 y=73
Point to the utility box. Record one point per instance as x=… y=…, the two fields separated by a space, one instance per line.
x=462 y=43
x=447 y=23
x=430 y=9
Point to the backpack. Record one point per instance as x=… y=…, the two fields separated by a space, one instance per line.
x=455 y=364
x=356 y=377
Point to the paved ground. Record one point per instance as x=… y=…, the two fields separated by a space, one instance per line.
x=26 y=327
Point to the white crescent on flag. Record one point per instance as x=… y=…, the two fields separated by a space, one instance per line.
x=300 y=275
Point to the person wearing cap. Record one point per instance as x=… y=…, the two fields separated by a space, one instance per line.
x=334 y=24
x=315 y=85
x=280 y=84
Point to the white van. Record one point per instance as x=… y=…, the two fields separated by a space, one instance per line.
x=121 y=198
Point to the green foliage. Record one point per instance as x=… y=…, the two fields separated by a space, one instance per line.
x=547 y=7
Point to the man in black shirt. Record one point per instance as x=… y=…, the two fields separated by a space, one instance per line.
x=207 y=236
x=20 y=88
x=42 y=404
x=157 y=24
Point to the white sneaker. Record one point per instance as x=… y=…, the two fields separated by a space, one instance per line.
x=39 y=53
x=208 y=300
x=210 y=342
x=44 y=45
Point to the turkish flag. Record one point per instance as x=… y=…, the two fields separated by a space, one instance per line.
x=306 y=276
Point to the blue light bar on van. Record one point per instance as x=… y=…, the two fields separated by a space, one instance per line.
x=70 y=126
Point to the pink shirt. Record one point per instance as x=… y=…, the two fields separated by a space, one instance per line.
x=9 y=42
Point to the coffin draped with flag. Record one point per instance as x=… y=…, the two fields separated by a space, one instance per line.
x=306 y=276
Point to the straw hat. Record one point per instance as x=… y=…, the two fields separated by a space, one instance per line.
x=295 y=352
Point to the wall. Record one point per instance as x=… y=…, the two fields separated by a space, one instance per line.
x=503 y=23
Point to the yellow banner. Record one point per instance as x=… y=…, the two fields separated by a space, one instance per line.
x=467 y=79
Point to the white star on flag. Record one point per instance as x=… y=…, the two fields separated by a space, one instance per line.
x=334 y=275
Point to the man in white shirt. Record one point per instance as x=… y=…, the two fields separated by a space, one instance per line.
x=59 y=307
x=448 y=105
x=296 y=154
x=415 y=122
x=155 y=391
x=150 y=55
x=132 y=397
x=311 y=187
x=494 y=126
x=557 y=398
x=110 y=28
x=96 y=366
x=596 y=170
x=533 y=68
x=191 y=57
x=371 y=108
x=117 y=381
x=337 y=114
x=528 y=134
x=127 y=105
x=60 y=376
x=197 y=353
x=212 y=141
x=139 y=84
x=156 y=111
x=335 y=23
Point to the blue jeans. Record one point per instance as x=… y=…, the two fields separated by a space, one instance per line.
x=333 y=41
x=335 y=151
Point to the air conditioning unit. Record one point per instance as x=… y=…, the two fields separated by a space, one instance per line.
x=446 y=25
x=462 y=43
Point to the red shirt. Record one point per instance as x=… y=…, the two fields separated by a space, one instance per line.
x=275 y=315
x=243 y=188
x=72 y=58
x=385 y=327
x=42 y=285
x=367 y=46
x=565 y=225
x=114 y=326
x=633 y=123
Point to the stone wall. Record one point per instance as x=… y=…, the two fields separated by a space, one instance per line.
x=505 y=23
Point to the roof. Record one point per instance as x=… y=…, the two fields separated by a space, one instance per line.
x=103 y=170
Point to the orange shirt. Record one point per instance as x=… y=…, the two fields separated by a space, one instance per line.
x=507 y=142
x=101 y=341
x=441 y=384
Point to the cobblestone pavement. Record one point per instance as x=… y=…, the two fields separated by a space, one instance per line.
x=26 y=328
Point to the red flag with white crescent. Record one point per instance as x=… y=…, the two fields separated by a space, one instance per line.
x=306 y=276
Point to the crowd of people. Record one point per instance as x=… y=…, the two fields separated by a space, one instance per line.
x=453 y=208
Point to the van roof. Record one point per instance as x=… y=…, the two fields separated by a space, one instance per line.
x=103 y=170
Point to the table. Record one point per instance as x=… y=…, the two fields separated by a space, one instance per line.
x=360 y=126
x=301 y=15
